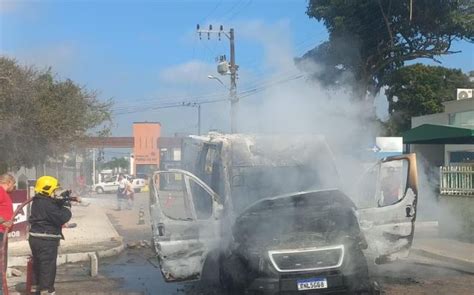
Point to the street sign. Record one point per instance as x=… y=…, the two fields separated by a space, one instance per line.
x=20 y=225
x=387 y=147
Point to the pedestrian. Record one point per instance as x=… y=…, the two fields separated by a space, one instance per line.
x=7 y=185
x=49 y=212
x=130 y=195
x=121 y=191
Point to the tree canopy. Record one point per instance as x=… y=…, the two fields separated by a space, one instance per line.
x=117 y=163
x=42 y=116
x=369 y=39
x=420 y=90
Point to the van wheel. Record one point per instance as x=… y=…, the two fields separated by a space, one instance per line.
x=99 y=190
x=232 y=274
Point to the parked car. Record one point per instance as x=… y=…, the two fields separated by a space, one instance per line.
x=138 y=184
x=268 y=214
x=110 y=185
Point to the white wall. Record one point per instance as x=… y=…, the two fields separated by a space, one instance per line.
x=450 y=107
x=433 y=153
x=440 y=119
x=462 y=105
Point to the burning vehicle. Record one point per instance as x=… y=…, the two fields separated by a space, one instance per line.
x=269 y=211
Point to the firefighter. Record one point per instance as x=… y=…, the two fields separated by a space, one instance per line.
x=49 y=213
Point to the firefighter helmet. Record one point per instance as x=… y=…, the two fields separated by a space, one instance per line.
x=46 y=185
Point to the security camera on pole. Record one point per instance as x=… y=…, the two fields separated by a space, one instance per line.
x=224 y=68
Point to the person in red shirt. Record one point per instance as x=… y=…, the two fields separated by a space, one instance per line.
x=7 y=185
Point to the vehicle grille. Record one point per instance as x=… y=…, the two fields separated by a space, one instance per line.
x=307 y=259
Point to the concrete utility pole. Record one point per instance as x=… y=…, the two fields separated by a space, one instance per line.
x=93 y=166
x=224 y=68
x=198 y=105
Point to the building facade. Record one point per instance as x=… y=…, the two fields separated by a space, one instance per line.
x=146 y=155
x=448 y=149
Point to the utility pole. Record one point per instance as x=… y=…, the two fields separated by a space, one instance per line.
x=224 y=68
x=234 y=99
x=93 y=166
x=198 y=105
x=199 y=119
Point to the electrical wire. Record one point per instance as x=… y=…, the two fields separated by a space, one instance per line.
x=186 y=103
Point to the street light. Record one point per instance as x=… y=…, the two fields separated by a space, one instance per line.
x=233 y=98
x=211 y=77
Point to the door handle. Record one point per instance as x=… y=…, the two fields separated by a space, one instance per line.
x=408 y=211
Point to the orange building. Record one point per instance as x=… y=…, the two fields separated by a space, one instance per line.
x=145 y=150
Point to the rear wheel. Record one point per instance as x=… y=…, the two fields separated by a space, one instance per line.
x=99 y=190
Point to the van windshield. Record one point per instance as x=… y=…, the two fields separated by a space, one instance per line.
x=253 y=183
x=275 y=165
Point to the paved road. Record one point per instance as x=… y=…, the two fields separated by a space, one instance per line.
x=136 y=270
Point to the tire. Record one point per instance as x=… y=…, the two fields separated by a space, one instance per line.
x=99 y=190
x=232 y=274
x=361 y=283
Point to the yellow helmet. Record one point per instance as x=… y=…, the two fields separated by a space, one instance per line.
x=46 y=185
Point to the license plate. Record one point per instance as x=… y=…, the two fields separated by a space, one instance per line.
x=311 y=284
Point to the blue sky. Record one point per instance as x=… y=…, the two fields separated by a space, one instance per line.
x=144 y=54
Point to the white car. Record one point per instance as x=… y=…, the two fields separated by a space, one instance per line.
x=108 y=186
x=137 y=184
x=111 y=185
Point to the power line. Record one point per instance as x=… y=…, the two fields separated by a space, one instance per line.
x=211 y=12
x=241 y=9
x=187 y=103
x=175 y=105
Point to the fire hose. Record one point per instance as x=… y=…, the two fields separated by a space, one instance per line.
x=4 y=256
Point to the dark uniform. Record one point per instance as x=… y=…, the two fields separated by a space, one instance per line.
x=48 y=215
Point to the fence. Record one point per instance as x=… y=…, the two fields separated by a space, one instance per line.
x=457 y=180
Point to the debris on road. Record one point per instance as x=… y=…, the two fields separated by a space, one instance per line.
x=139 y=244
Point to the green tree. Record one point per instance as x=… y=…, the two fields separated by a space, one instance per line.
x=117 y=163
x=369 y=39
x=41 y=116
x=420 y=90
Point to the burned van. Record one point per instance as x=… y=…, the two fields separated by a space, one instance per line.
x=270 y=211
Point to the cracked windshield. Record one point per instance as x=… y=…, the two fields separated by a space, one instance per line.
x=210 y=147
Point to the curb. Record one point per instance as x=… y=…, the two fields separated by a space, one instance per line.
x=460 y=264
x=71 y=257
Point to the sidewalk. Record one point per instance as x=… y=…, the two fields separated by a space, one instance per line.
x=451 y=252
x=94 y=234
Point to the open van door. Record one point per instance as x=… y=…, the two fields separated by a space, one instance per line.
x=185 y=216
x=387 y=215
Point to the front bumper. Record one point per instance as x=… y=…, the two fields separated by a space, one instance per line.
x=287 y=284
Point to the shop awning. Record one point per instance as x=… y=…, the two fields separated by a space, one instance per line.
x=439 y=134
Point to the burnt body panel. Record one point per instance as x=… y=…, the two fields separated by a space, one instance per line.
x=281 y=241
x=262 y=242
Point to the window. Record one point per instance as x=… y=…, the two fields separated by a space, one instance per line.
x=210 y=168
x=175 y=189
x=462 y=119
x=383 y=185
x=173 y=196
x=461 y=157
